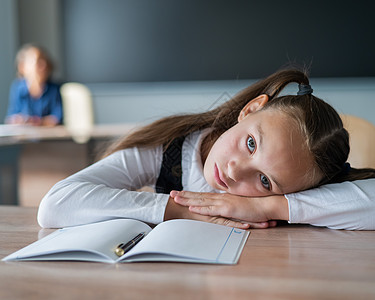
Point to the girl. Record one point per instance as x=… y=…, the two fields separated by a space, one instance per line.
x=34 y=99
x=257 y=147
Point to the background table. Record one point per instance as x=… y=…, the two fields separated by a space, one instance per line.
x=287 y=262
x=34 y=158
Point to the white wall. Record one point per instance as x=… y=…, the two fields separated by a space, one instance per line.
x=8 y=47
x=144 y=102
x=40 y=22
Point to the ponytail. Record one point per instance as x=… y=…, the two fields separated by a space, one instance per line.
x=352 y=174
x=326 y=138
x=220 y=119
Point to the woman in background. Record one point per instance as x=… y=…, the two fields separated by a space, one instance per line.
x=34 y=99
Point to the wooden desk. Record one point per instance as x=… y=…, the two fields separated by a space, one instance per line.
x=287 y=262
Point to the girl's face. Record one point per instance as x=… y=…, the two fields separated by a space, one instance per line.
x=262 y=155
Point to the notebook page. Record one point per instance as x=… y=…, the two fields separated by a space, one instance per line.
x=101 y=238
x=200 y=241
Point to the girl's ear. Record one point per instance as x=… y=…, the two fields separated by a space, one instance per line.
x=253 y=105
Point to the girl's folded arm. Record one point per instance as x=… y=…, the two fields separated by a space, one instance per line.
x=348 y=205
x=106 y=190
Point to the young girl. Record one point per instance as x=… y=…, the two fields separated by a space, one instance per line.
x=34 y=99
x=241 y=158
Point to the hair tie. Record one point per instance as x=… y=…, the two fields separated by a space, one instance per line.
x=304 y=89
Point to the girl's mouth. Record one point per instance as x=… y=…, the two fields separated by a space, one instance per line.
x=218 y=178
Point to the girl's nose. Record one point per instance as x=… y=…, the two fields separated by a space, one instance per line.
x=237 y=170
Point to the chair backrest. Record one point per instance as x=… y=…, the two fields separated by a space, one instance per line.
x=78 y=110
x=362 y=141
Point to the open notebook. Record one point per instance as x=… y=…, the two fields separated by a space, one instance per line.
x=174 y=241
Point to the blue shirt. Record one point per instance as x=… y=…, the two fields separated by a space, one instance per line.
x=21 y=102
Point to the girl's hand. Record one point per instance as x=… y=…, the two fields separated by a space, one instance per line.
x=176 y=211
x=255 y=210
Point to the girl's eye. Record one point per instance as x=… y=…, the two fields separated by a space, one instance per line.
x=265 y=182
x=251 y=144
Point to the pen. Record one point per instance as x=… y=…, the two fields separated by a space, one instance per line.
x=125 y=247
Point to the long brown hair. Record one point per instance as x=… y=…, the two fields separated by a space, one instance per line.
x=319 y=123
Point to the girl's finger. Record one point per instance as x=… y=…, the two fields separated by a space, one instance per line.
x=272 y=223
x=173 y=193
x=199 y=195
x=191 y=202
x=261 y=225
x=208 y=210
x=230 y=223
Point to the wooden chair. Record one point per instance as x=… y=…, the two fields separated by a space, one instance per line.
x=362 y=141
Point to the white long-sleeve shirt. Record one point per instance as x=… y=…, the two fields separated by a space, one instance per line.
x=106 y=190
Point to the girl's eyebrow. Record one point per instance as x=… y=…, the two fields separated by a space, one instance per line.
x=260 y=135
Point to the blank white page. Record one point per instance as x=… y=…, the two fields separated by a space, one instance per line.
x=190 y=239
